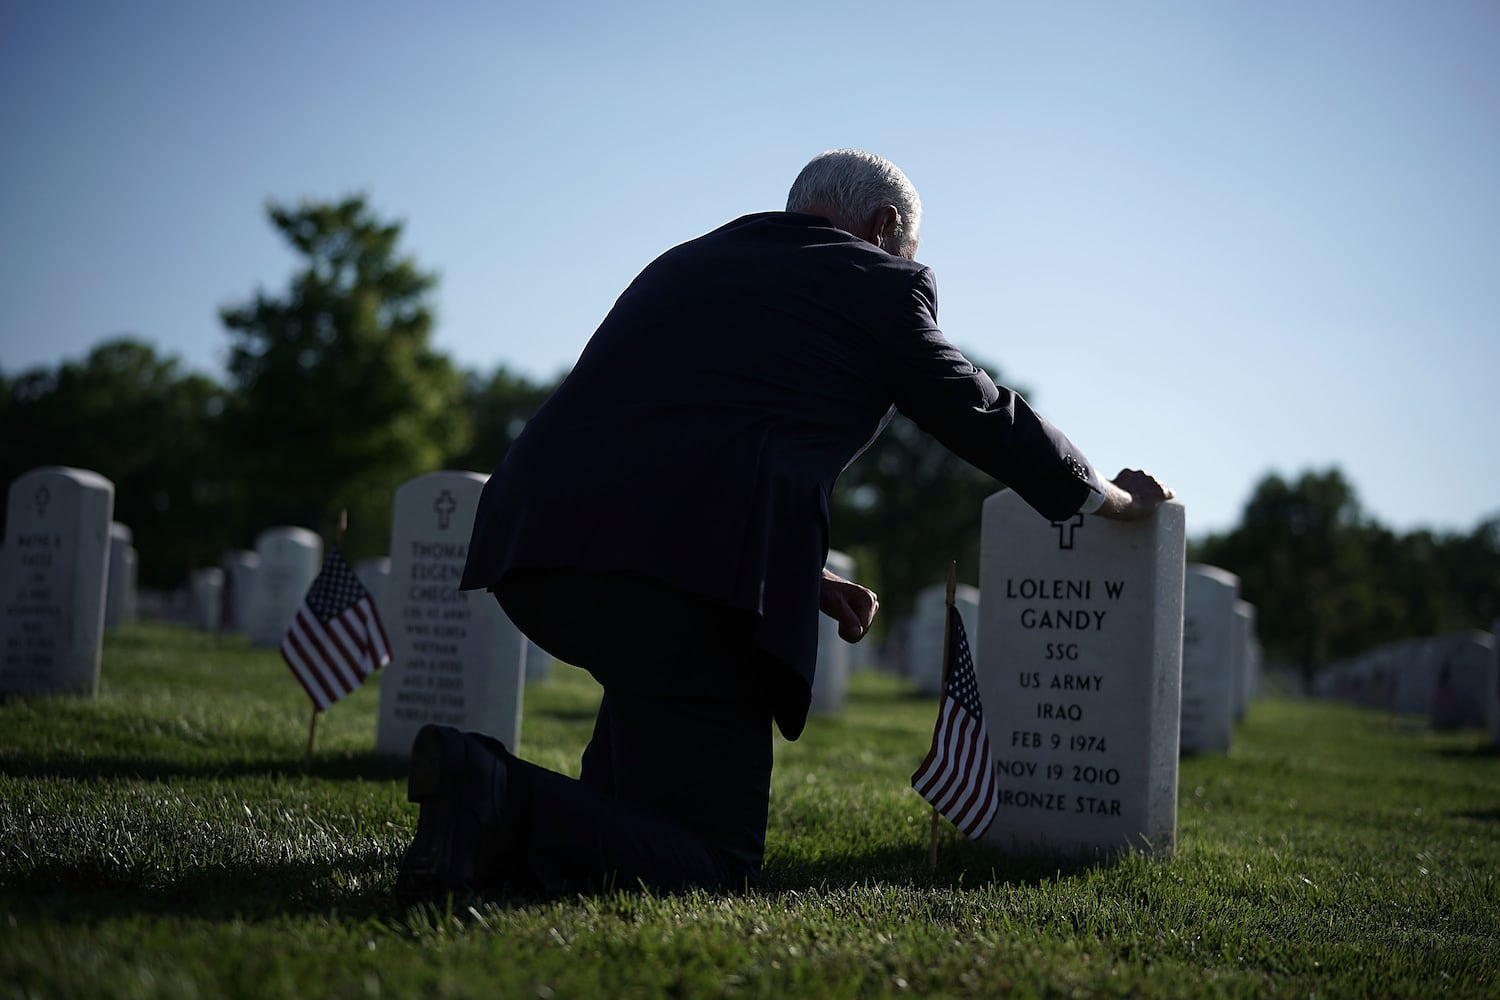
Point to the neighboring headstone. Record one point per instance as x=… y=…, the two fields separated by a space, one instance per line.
x=239 y=568
x=1208 y=638
x=1413 y=673
x=1244 y=626
x=456 y=658
x=375 y=574
x=929 y=620
x=831 y=676
x=208 y=598
x=1463 y=663
x=1492 y=700
x=119 y=594
x=538 y=663
x=1079 y=674
x=53 y=573
x=290 y=558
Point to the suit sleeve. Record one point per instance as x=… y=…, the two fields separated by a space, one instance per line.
x=988 y=426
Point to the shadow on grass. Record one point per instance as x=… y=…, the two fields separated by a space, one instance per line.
x=960 y=866
x=1480 y=751
x=345 y=767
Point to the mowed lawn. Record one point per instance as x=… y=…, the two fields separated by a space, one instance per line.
x=163 y=841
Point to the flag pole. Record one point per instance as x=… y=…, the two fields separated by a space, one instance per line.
x=932 y=843
x=312 y=723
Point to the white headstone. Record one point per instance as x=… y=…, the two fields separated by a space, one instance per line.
x=1463 y=663
x=119 y=595
x=538 y=663
x=53 y=573
x=1492 y=699
x=456 y=659
x=239 y=584
x=1244 y=625
x=925 y=641
x=831 y=676
x=375 y=574
x=289 y=562
x=1080 y=674
x=208 y=598
x=1208 y=638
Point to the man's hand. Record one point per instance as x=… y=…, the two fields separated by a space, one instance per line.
x=1133 y=495
x=849 y=604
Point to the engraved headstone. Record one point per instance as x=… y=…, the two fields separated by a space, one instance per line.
x=289 y=561
x=119 y=595
x=239 y=588
x=208 y=598
x=831 y=676
x=1080 y=676
x=53 y=573
x=456 y=659
x=1208 y=638
x=925 y=641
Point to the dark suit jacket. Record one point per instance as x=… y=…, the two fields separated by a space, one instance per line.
x=698 y=436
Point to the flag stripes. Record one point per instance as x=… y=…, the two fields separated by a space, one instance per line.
x=958 y=775
x=336 y=639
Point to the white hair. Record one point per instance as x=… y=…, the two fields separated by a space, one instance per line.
x=854 y=185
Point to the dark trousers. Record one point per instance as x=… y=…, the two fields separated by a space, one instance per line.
x=676 y=779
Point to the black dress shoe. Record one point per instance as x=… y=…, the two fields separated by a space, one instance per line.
x=465 y=839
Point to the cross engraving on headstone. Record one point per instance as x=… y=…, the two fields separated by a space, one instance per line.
x=43 y=497
x=445 y=505
x=1065 y=530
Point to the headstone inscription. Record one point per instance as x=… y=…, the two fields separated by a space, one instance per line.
x=208 y=598
x=119 y=595
x=239 y=588
x=1208 y=637
x=289 y=561
x=456 y=659
x=929 y=621
x=53 y=573
x=831 y=675
x=1080 y=674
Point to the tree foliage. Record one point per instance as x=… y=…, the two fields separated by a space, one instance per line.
x=139 y=421
x=339 y=397
x=497 y=407
x=1329 y=583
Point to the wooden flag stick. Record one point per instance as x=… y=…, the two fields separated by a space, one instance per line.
x=312 y=724
x=932 y=842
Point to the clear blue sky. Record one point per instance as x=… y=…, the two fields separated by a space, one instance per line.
x=1213 y=239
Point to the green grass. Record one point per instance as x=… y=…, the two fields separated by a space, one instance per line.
x=163 y=841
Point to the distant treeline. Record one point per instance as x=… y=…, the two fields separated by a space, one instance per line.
x=335 y=396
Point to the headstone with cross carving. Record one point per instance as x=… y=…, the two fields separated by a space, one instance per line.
x=1079 y=673
x=53 y=572
x=289 y=561
x=925 y=640
x=456 y=659
x=1208 y=659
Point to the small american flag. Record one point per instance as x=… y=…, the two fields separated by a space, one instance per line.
x=336 y=639
x=958 y=776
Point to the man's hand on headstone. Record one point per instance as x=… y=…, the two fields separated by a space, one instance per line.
x=1133 y=495
x=849 y=604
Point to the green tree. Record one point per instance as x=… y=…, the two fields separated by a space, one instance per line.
x=340 y=397
x=497 y=408
x=153 y=430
